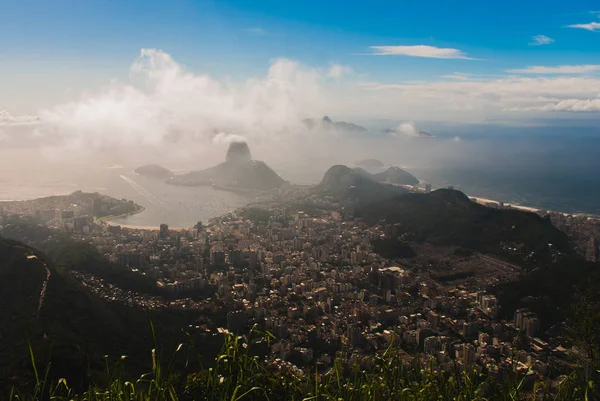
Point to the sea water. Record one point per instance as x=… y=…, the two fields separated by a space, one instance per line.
x=553 y=172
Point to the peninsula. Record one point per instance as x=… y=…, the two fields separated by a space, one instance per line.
x=237 y=172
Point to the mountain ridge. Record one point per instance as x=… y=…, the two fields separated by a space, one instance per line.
x=328 y=123
x=154 y=171
x=449 y=217
x=71 y=327
x=343 y=182
x=340 y=176
x=239 y=171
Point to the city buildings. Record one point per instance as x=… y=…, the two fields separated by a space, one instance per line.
x=314 y=281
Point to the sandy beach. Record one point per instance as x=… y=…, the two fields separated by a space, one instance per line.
x=149 y=228
x=108 y=221
x=485 y=201
x=478 y=199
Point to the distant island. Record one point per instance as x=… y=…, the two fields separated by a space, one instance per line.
x=443 y=217
x=420 y=134
x=336 y=175
x=343 y=182
x=396 y=175
x=154 y=171
x=78 y=203
x=328 y=124
x=370 y=163
x=237 y=172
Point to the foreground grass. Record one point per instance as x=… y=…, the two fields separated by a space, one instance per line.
x=238 y=375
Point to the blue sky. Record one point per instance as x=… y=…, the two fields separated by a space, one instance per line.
x=52 y=51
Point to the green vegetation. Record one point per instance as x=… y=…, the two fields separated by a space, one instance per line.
x=454 y=276
x=239 y=374
x=256 y=214
x=342 y=183
x=395 y=175
x=392 y=248
x=58 y=352
x=313 y=210
x=71 y=255
x=84 y=257
x=584 y=321
x=551 y=290
x=91 y=202
x=447 y=217
x=70 y=328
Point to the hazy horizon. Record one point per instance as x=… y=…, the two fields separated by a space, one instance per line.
x=174 y=84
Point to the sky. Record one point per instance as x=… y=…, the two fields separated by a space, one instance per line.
x=105 y=73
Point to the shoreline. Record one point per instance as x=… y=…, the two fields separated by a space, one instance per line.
x=148 y=228
x=486 y=201
x=477 y=199
x=509 y=205
x=108 y=220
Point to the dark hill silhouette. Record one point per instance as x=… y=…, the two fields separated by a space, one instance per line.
x=237 y=172
x=328 y=124
x=338 y=173
x=72 y=255
x=154 y=171
x=67 y=325
x=549 y=290
x=238 y=152
x=342 y=183
x=449 y=217
x=47 y=307
x=395 y=132
x=395 y=175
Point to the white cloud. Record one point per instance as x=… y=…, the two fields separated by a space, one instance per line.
x=166 y=107
x=591 y=26
x=226 y=138
x=407 y=129
x=482 y=99
x=561 y=69
x=565 y=105
x=256 y=31
x=539 y=40
x=165 y=104
x=8 y=119
x=337 y=71
x=420 y=51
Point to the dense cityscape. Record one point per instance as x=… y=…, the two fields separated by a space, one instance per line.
x=299 y=200
x=304 y=270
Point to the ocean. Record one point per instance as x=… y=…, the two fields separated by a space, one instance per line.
x=180 y=207
x=569 y=192
x=549 y=172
